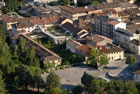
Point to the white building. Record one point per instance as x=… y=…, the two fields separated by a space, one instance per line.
x=106 y=26
x=137 y=76
x=123 y=37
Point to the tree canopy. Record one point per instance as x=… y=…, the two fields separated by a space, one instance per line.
x=12 y=5
x=100 y=86
x=53 y=81
x=131 y=60
x=2 y=85
x=95 y=58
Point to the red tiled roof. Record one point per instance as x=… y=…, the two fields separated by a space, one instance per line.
x=113 y=22
x=112 y=11
x=108 y=48
x=75 y=10
x=100 y=14
x=137 y=72
x=84 y=48
x=97 y=38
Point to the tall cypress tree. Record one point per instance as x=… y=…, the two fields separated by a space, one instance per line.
x=2 y=85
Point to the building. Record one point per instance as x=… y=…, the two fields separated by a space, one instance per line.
x=45 y=54
x=45 y=1
x=72 y=45
x=106 y=26
x=74 y=30
x=83 y=50
x=134 y=46
x=95 y=40
x=117 y=5
x=137 y=76
x=113 y=52
x=123 y=37
x=87 y=23
x=64 y=20
x=20 y=23
x=2 y=4
x=56 y=38
x=74 y=13
x=24 y=27
x=132 y=1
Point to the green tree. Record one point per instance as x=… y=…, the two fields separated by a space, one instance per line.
x=95 y=2
x=53 y=81
x=96 y=87
x=78 y=90
x=32 y=54
x=2 y=85
x=24 y=76
x=83 y=2
x=66 y=2
x=104 y=59
x=38 y=81
x=53 y=91
x=130 y=88
x=131 y=60
x=86 y=79
x=22 y=44
x=93 y=57
x=36 y=62
x=12 y=5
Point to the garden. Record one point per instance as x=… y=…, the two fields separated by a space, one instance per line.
x=68 y=57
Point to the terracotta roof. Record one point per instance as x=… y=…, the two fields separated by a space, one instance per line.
x=97 y=38
x=44 y=20
x=84 y=48
x=75 y=10
x=100 y=14
x=34 y=20
x=111 y=11
x=72 y=28
x=25 y=24
x=108 y=48
x=113 y=22
x=137 y=72
x=21 y=31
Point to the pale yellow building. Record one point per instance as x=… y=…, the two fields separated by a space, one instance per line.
x=74 y=13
